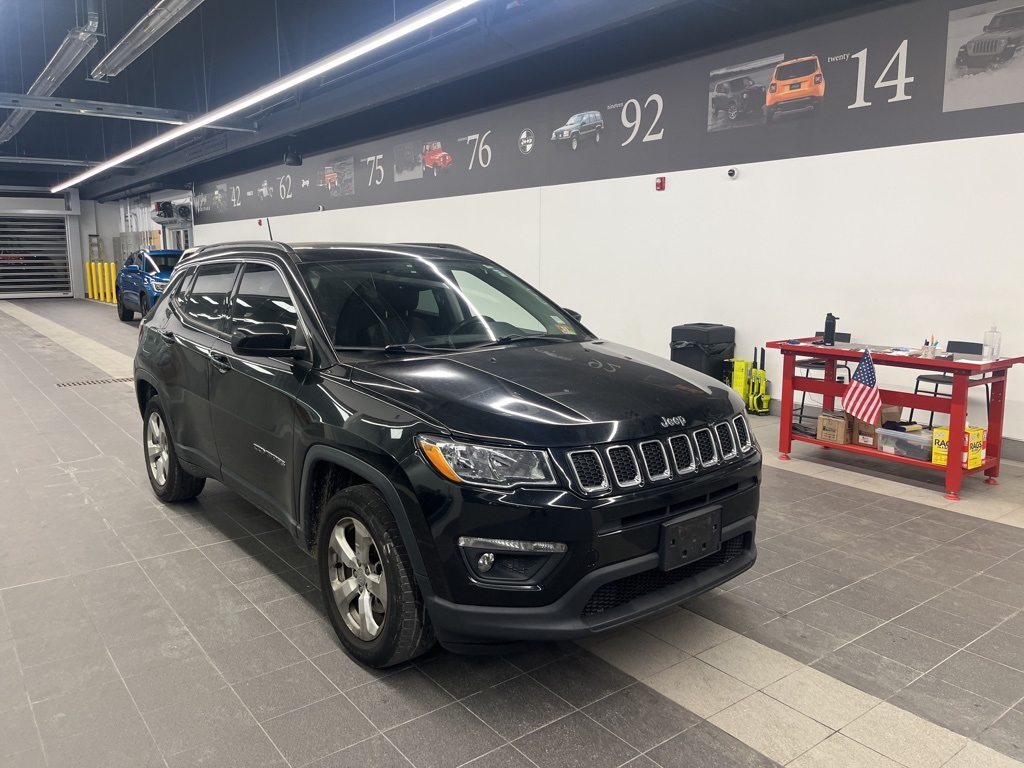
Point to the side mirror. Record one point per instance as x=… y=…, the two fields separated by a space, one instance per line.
x=573 y=314
x=133 y=268
x=265 y=340
x=986 y=28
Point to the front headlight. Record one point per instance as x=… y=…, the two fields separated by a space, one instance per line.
x=159 y=287
x=485 y=464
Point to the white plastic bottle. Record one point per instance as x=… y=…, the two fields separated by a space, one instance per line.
x=990 y=346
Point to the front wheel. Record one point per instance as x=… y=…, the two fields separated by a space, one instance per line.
x=169 y=479
x=123 y=313
x=733 y=111
x=143 y=304
x=597 y=136
x=367 y=581
x=574 y=142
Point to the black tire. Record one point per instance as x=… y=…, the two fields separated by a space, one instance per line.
x=176 y=484
x=143 y=304
x=405 y=631
x=733 y=111
x=123 y=313
x=434 y=168
x=770 y=115
x=574 y=142
x=597 y=136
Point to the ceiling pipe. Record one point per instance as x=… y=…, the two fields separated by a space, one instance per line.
x=157 y=22
x=76 y=46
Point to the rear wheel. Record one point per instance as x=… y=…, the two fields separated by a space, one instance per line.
x=143 y=304
x=367 y=581
x=123 y=313
x=169 y=479
x=597 y=136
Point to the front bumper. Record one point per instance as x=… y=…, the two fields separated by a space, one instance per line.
x=630 y=590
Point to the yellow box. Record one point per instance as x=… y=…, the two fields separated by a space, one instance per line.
x=974 y=446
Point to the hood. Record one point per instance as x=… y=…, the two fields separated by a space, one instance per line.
x=552 y=394
x=163 y=275
x=996 y=34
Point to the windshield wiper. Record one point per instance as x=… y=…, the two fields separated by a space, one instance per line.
x=516 y=337
x=415 y=349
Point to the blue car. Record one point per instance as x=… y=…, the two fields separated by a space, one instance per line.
x=141 y=281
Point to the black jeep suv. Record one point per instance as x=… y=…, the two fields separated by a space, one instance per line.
x=464 y=459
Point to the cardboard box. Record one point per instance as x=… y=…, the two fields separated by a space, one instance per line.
x=974 y=445
x=864 y=433
x=835 y=428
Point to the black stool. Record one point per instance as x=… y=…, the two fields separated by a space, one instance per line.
x=944 y=379
x=817 y=364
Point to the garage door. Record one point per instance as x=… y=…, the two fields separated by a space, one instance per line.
x=34 y=257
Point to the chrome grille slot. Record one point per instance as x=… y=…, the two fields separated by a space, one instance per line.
x=742 y=433
x=655 y=460
x=682 y=454
x=624 y=466
x=725 y=440
x=589 y=471
x=983 y=47
x=706 y=451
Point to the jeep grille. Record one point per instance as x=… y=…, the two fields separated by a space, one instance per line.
x=725 y=440
x=624 y=467
x=655 y=460
x=682 y=454
x=589 y=471
x=705 y=447
x=986 y=47
x=743 y=433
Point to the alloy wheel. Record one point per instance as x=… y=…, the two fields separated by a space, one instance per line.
x=156 y=448
x=358 y=582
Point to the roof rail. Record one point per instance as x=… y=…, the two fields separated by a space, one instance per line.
x=446 y=246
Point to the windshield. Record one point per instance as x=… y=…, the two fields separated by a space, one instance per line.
x=374 y=303
x=1007 y=20
x=740 y=83
x=162 y=262
x=575 y=120
x=796 y=69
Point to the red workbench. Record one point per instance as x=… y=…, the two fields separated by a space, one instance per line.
x=962 y=369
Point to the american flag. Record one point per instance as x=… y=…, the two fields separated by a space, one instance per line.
x=861 y=399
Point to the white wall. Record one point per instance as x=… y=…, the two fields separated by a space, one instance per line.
x=900 y=243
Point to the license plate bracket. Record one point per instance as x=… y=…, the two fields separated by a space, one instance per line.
x=690 y=537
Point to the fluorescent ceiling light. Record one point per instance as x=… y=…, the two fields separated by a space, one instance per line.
x=431 y=15
x=157 y=22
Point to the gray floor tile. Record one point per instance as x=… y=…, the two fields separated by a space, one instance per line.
x=314 y=638
x=92 y=551
x=56 y=678
x=295 y=610
x=252 y=658
x=931 y=529
x=376 y=751
x=1004 y=735
x=581 y=678
x=230 y=629
x=972 y=607
x=33 y=758
x=908 y=648
x=445 y=738
x=529 y=657
x=813 y=579
x=319 y=730
x=277 y=586
x=995 y=589
x=285 y=690
x=981 y=541
x=983 y=677
x=202 y=719
x=462 y=676
x=174 y=683
x=517 y=706
x=874 y=602
x=776 y=595
x=932 y=570
x=641 y=717
x=103 y=708
x=846 y=564
x=154 y=648
x=796 y=639
x=905 y=585
x=347 y=673
x=1014 y=625
x=1008 y=571
x=867 y=671
x=248 y=748
x=731 y=611
x=575 y=741
x=959 y=557
x=948 y=706
x=12 y=687
x=510 y=757
x=127 y=747
x=397 y=698
x=945 y=627
x=17 y=731
x=706 y=744
x=834 y=618
x=1002 y=647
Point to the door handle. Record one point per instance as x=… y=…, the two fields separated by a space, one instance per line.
x=220 y=362
x=167 y=336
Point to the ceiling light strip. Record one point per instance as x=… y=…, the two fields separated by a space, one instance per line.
x=386 y=36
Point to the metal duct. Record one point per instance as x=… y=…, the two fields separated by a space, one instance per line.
x=76 y=46
x=150 y=28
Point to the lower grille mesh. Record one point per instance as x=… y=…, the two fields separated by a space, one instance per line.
x=620 y=592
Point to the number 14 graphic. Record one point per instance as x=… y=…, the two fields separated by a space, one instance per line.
x=901 y=81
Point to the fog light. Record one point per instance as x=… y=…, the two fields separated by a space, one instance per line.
x=512 y=545
x=486 y=562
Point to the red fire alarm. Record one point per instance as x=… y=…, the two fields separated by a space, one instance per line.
x=659 y=184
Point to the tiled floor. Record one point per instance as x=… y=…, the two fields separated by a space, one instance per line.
x=878 y=628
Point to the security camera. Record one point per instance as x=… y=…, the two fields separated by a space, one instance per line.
x=733 y=173
x=319 y=208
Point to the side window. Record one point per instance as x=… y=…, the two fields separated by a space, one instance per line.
x=719 y=88
x=130 y=260
x=206 y=301
x=262 y=298
x=179 y=291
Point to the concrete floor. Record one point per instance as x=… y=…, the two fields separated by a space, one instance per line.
x=881 y=626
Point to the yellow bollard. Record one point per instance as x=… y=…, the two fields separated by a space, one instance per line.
x=105 y=267
x=112 y=280
x=88 y=279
